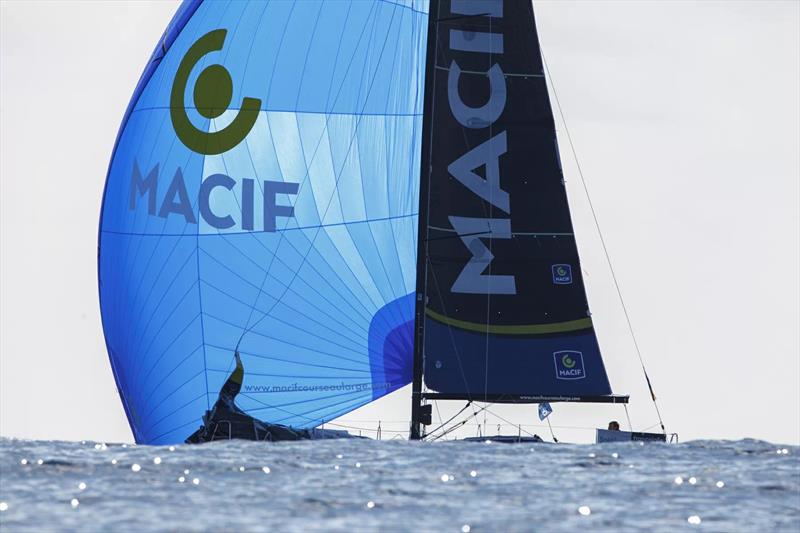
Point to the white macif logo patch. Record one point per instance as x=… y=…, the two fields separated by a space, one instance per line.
x=569 y=364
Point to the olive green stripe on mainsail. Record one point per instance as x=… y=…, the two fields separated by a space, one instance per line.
x=523 y=329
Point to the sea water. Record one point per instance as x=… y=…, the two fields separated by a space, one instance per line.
x=340 y=485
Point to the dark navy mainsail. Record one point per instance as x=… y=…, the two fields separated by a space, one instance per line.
x=499 y=277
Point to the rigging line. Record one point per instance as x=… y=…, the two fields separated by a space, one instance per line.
x=157 y=79
x=403 y=422
x=445 y=431
x=126 y=260
x=428 y=271
x=449 y=419
x=294 y=376
x=162 y=401
x=139 y=337
x=308 y=53
x=326 y=105
x=127 y=311
x=173 y=430
x=455 y=427
x=297 y=111
x=438 y=412
x=334 y=410
x=432 y=271
x=138 y=383
x=295 y=344
x=590 y=428
x=520 y=426
x=463 y=422
x=157 y=387
x=200 y=305
x=369 y=430
x=363 y=333
x=602 y=241
x=551 y=429
x=371 y=229
x=176 y=410
x=488 y=295
x=417 y=430
x=374 y=421
x=288 y=343
x=489 y=232
x=312 y=241
x=145 y=355
x=337 y=332
x=280 y=407
x=628 y=416
x=452 y=429
x=277 y=247
x=391 y=313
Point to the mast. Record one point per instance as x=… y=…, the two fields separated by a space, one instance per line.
x=422 y=236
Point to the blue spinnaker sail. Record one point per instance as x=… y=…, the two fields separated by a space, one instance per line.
x=263 y=193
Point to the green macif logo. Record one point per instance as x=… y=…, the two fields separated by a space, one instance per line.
x=567 y=361
x=561 y=271
x=212 y=96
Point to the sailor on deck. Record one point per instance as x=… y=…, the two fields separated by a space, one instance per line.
x=226 y=420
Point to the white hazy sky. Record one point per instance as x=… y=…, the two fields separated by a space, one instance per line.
x=686 y=120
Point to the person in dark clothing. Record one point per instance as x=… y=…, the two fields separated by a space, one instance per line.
x=613 y=425
x=232 y=386
x=227 y=421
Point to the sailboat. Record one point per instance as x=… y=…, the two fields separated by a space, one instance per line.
x=318 y=203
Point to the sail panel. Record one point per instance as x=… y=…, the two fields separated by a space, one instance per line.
x=505 y=304
x=264 y=193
